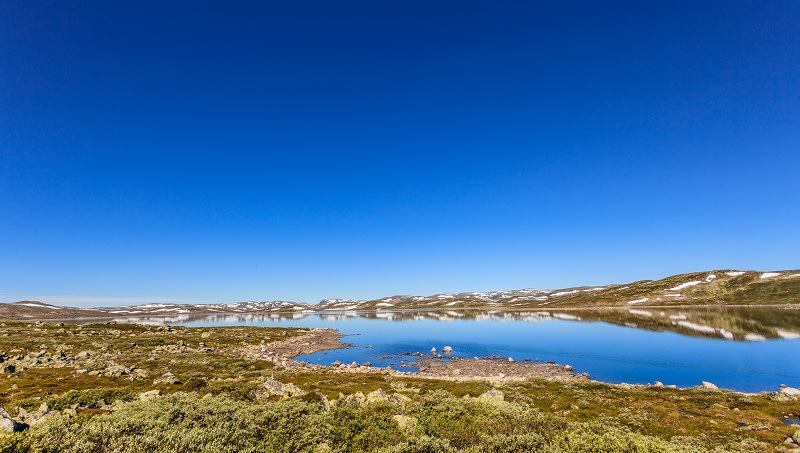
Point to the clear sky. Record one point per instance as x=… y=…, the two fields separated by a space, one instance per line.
x=226 y=151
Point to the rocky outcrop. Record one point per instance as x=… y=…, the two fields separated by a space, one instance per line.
x=493 y=395
x=166 y=379
x=8 y=424
x=275 y=388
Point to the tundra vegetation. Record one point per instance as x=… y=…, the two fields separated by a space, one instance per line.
x=121 y=387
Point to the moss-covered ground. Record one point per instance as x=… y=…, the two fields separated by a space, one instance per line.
x=217 y=405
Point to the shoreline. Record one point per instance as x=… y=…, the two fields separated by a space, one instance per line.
x=495 y=370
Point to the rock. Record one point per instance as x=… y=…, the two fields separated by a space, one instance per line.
x=116 y=371
x=205 y=335
x=8 y=424
x=166 y=378
x=8 y=368
x=511 y=360
x=377 y=396
x=367 y=364
x=433 y=350
x=149 y=395
x=275 y=388
x=790 y=391
x=709 y=386
x=447 y=349
x=355 y=398
x=336 y=363
x=658 y=384
x=492 y=395
x=569 y=368
x=405 y=423
x=399 y=398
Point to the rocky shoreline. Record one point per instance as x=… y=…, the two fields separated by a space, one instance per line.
x=435 y=366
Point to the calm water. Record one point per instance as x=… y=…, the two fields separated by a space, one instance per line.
x=634 y=346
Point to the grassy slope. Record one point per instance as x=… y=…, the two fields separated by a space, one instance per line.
x=537 y=415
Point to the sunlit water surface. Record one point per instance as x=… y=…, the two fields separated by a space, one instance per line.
x=674 y=347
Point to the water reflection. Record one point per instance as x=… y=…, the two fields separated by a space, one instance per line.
x=727 y=323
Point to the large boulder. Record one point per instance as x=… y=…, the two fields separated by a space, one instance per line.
x=149 y=395
x=790 y=391
x=710 y=386
x=355 y=398
x=492 y=395
x=275 y=388
x=8 y=424
x=166 y=378
x=377 y=396
x=405 y=423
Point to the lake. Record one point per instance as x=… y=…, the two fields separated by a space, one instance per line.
x=751 y=349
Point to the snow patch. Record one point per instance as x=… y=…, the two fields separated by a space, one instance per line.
x=734 y=274
x=41 y=306
x=770 y=274
x=684 y=285
x=637 y=301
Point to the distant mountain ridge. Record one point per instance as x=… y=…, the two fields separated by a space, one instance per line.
x=720 y=287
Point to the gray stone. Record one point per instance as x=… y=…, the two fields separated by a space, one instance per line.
x=709 y=386
x=447 y=349
x=493 y=395
x=8 y=424
x=377 y=396
x=149 y=395
x=405 y=423
x=355 y=398
x=166 y=378
x=790 y=391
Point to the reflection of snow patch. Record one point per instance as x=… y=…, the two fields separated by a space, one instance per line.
x=452 y=303
x=637 y=301
x=788 y=335
x=734 y=274
x=754 y=337
x=727 y=334
x=770 y=274
x=674 y=295
x=640 y=312
x=697 y=327
x=677 y=317
x=566 y=316
x=684 y=285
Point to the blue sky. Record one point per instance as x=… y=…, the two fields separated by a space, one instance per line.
x=207 y=152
